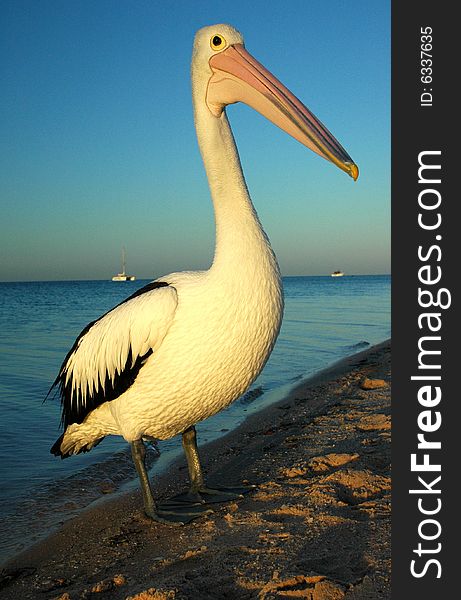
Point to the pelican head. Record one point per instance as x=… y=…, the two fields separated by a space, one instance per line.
x=224 y=72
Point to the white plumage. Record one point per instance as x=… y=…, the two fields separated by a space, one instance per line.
x=104 y=349
x=189 y=344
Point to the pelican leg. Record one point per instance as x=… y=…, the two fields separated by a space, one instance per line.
x=189 y=443
x=199 y=491
x=168 y=514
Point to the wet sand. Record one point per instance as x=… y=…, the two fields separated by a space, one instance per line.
x=317 y=526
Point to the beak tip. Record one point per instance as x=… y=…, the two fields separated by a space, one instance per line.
x=353 y=171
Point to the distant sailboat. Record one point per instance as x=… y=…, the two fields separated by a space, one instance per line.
x=123 y=276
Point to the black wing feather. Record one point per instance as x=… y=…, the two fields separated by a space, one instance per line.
x=111 y=388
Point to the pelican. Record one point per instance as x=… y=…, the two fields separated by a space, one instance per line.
x=187 y=345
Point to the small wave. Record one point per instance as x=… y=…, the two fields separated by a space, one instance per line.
x=251 y=395
x=358 y=345
x=297 y=377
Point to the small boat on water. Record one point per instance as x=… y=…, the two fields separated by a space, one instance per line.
x=337 y=274
x=123 y=276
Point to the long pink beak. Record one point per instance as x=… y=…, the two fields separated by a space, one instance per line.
x=238 y=77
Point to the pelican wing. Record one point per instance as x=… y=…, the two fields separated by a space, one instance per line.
x=109 y=353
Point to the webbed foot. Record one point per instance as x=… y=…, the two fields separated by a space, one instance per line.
x=218 y=493
x=211 y=495
x=176 y=514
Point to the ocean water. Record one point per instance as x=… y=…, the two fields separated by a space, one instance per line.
x=325 y=319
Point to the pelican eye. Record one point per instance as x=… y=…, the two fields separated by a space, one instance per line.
x=217 y=42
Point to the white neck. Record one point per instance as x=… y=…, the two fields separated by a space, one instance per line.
x=240 y=239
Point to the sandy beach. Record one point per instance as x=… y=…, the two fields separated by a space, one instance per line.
x=317 y=525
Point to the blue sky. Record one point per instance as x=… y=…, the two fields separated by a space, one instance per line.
x=98 y=146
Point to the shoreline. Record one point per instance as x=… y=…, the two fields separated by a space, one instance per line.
x=117 y=537
x=109 y=490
